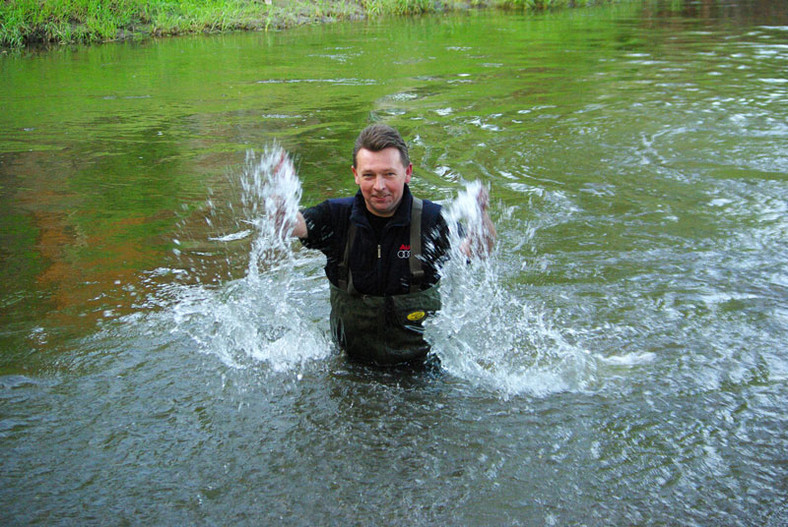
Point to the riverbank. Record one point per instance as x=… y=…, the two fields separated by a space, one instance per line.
x=31 y=22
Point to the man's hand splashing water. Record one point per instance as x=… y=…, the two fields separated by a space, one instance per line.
x=480 y=234
x=281 y=204
x=270 y=183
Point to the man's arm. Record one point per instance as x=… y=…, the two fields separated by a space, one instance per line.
x=299 y=229
x=284 y=225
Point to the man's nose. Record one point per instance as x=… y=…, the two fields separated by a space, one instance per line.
x=379 y=183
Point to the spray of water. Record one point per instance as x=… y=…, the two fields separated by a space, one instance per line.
x=485 y=332
x=271 y=192
x=260 y=318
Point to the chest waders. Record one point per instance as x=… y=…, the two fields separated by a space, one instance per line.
x=384 y=329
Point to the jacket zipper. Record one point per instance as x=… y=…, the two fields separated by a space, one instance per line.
x=380 y=273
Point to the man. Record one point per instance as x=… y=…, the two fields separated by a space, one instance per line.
x=384 y=249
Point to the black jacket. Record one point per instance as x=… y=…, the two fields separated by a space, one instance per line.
x=389 y=274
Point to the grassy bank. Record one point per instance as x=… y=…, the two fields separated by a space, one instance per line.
x=29 y=22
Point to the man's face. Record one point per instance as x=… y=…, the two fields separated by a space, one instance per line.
x=381 y=178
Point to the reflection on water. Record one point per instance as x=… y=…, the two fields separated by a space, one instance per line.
x=620 y=359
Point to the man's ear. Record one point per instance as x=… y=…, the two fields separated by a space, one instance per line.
x=355 y=175
x=408 y=172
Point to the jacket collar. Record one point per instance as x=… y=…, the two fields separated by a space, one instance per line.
x=401 y=215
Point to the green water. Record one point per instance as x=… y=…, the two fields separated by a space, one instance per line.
x=621 y=360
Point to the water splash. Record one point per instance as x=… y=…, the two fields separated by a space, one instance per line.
x=487 y=333
x=271 y=192
x=260 y=318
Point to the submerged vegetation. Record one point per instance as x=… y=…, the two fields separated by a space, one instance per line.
x=26 y=22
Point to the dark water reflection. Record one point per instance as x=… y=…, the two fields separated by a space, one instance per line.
x=621 y=361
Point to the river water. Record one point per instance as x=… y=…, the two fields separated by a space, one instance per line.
x=621 y=359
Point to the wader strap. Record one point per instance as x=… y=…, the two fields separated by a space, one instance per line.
x=414 y=261
x=344 y=268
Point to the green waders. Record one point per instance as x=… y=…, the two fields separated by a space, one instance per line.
x=384 y=329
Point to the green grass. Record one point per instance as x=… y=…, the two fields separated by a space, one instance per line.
x=27 y=22
x=30 y=21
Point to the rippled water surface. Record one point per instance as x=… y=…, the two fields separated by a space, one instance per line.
x=620 y=360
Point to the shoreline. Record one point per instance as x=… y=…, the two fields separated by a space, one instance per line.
x=28 y=24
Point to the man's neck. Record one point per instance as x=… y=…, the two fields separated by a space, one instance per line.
x=378 y=223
